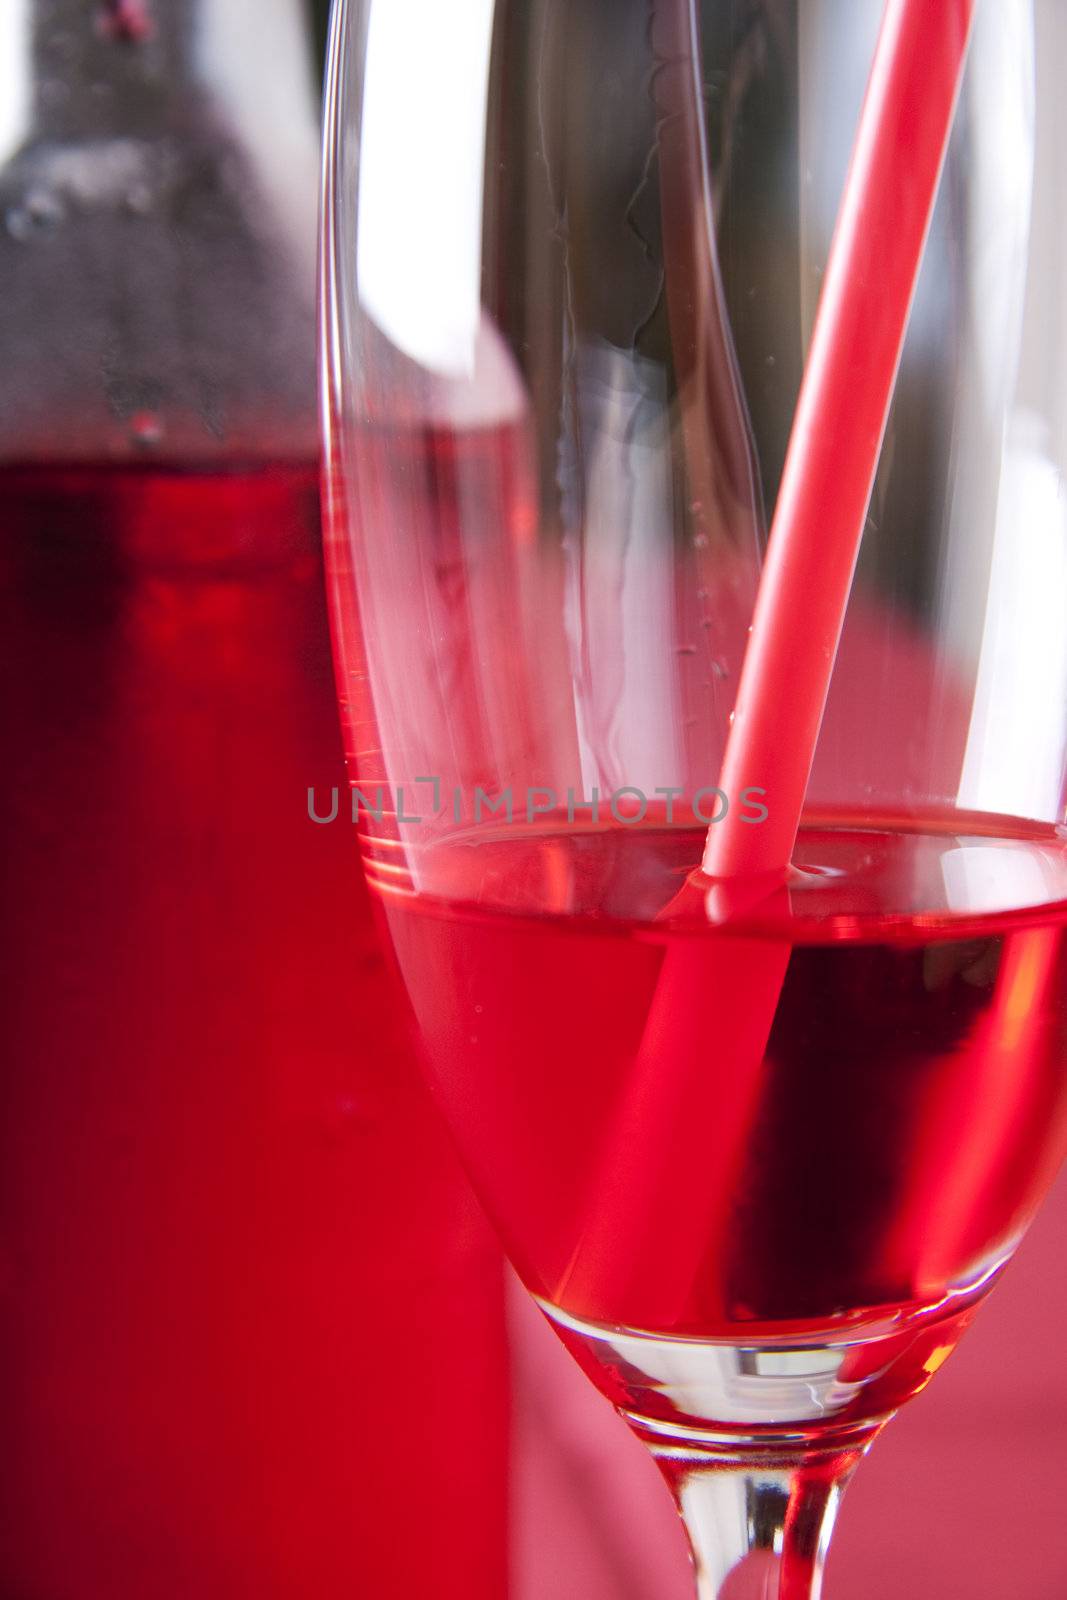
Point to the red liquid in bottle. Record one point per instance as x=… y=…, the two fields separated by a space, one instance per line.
x=241 y=1281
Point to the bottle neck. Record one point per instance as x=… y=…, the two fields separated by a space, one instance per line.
x=95 y=64
x=158 y=187
x=76 y=70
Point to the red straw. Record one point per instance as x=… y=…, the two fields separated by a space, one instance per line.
x=654 y=1211
x=839 y=425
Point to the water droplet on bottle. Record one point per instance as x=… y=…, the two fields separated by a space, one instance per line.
x=345 y=1117
x=38 y=217
x=146 y=429
x=138 y=200
x=700 y=541
x=478 y=1010
x=687 y=650
x=53 y=92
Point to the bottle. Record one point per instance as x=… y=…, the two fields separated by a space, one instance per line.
x=245 y=1295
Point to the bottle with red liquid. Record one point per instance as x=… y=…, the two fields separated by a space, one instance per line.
x=244 y=1292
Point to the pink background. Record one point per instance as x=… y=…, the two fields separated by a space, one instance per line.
x=961 y=1499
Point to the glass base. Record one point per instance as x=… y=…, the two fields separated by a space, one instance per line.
x=822 y=1390
x=756 y=1442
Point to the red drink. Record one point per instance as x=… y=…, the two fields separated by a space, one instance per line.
x=660 y=1156
x=828 y=1117
x=230 y=1230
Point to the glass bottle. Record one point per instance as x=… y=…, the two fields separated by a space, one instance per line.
x=229 y=1225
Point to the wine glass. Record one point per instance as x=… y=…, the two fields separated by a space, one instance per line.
x=757 y=1152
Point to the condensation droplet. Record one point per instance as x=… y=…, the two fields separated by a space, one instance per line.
x=478 y=1010
x=138 y=200
x=53 y=92
x=700 y=540
x=346 y=1117
x=146 y=429
x=39 y=216
x=687 y=650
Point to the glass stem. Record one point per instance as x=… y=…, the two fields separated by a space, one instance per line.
x=758 y=1521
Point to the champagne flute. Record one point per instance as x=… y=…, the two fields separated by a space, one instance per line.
x=757 y=1155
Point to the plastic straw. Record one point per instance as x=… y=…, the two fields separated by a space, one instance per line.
x=654 y=1212
x=839 y=426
